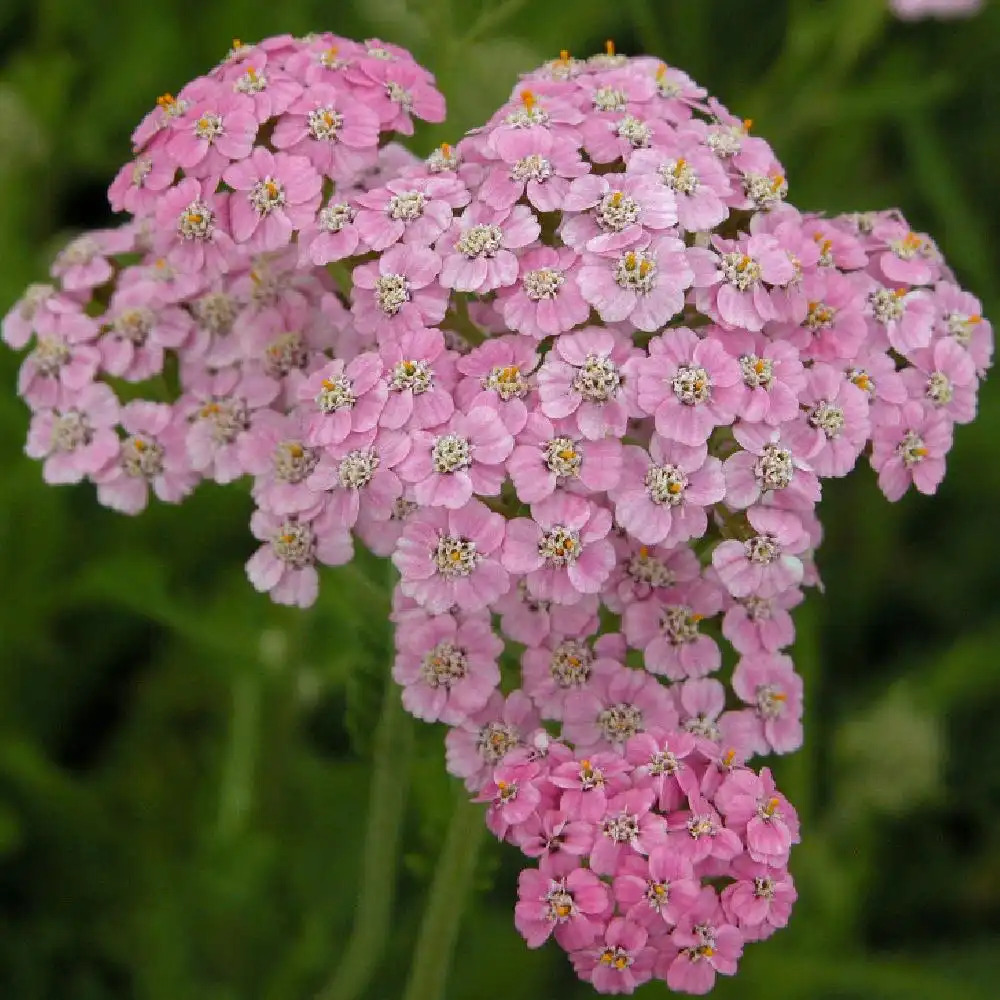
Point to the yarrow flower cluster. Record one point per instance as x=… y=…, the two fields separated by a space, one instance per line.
x=580 y=375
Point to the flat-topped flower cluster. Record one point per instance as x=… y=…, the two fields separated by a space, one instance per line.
x=580 y=375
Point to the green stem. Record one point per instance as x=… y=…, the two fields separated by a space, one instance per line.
x=443 y=914
x=387 y=797
x=236 y=792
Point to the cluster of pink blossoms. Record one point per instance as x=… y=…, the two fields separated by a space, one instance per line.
x=580 y=375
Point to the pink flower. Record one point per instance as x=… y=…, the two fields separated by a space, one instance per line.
x=528 y=620
x=465 y=456
x=626 y=209
x=769 y=683
x=833 y=326
x=761 y=624
x=655 y=891
x=498 y=375
x=834 y=430
x=772 y=376
x=212 y=133
x=644 y=284
x=192 y=223
x=275 y=194
x=561 y=665
x=563 y=548
x=587 y=783
x=152 y=456
x=909 y=258
x=398 y=292
x=659 y=761
x=944 y=377
x=643 y=572
x=739 y=297
x=451 y=557
x=904 y=318
x=221 y=407
x=694 y=175
x=409 y=210
x=705 y=945
x=755 y=809
x=701 y=702
x=403 y=90
x=513 y=794
x=760 y=900
x=960 y=317
x=82 y=264
x=275 y=453
x=446 y=665
x=547 y=458
x=139 y=184
x=285 y=566
x=620 y=961
x=770 y=469
x=554 y=836
x=569 y=907
x=76 y=437
x=662 y=495
x=343 y=399
x=136 y=336
x=547 y=299
x=64 y=357
x=616 y=707
x=666 y=629
x=912 y=451
x=477 y=248
x=338 y=135
x=629 y=825
x=767 y=563
x=333 y=235
x=688 y=385
x=697 y=834
x=582 y=377
x=912 y=10
x=359 y=475
x=536 y=164
x=479 y=743
x=421 y=376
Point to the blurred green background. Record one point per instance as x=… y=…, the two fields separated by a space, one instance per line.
x=185 y=770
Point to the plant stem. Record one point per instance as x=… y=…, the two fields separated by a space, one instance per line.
x=443 y=914
x=235 y=794
x=387 y=797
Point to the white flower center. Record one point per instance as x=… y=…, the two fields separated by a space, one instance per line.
x=828 y=418
x=562 y=457
x=417 y=376
x=531 y=168
x=406 y=207
x=392 y=292
x=620 y=722
x=665 y=484
x=560 y=546
x=740 y=270
x=324 y=123
x=758 y=373
x=616 y=211
x=480 y=241
x=455 y=557
x=451 y=453
x=774 y=468
x=598 y=380
x=294 y=461
x=295 y=544
x=267 y=195
x=444 y=665
x=357 y=468
x=141 y=458
x=692 y=385
x=543 y=283
x=571 y=663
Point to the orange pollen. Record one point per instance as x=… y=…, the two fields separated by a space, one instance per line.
x=609 y=47
x=759 y=366
x=780 y=696
x=564 y=910
x=455 y=556
x=567 y=454
x=332 y=51
x=863 y=382
x=272 y=189
x=680 y=165
x=630 y=260
x=747 y=124
x=826 y=246
x=696 y=617
x=140 y=445
x=643 y=551
x=564 y=55
x=295 y=450
x=777 y=182
x=166 y=101
x=899 y=292
x=252 y=73
x=585 y=764
x=922 y=452
x=195 y=218
x=620 y=962
x=209 y=408
x=674 y=488
x=528 y=99
x=645 y=267
x=974 y=318
x=912 y=241
x=616 y=198
x=287 y=538
x=446 y=149
x=510 y=373
x=729 y=757
x=773 y=804
x=661 y=71
x=707 y=950
x=237 y=44
x=502 y=785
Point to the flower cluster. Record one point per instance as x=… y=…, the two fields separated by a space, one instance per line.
x=580 y=376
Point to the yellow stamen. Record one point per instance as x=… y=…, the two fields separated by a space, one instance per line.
x=729 y=757
x=645 y=266
x=899 y=292
x=567 y=454
x=609 y=47
x=139 y=444
x=922 y=452
x=166 y=101
x=863 y=382
x=564 y=910
x=272 y=189
x=564 y=55
x=616 y=198
x=674 y=488
x=630 y=260
x=777 y=181
x=661 y=71
x=195 y=218
x=446 y=150
x=974 y=318
x=643 y=552
x=747 y=124
x=528 y=99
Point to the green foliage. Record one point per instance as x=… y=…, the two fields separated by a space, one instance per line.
x=186 y=771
